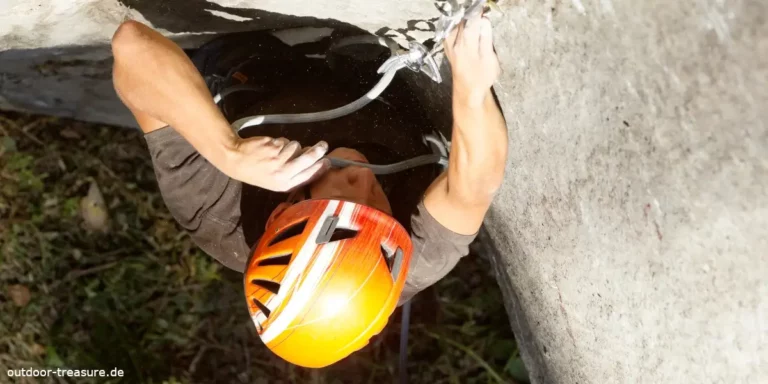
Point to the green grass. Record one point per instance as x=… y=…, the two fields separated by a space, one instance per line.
x=141 y=297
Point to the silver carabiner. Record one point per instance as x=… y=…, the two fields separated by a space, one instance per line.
x=417 y=59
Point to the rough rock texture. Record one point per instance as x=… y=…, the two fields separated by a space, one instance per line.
x=47 y=23
x=633 y=221
x=631 y=235
x=68 y=81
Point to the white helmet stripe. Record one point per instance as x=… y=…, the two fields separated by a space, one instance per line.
x=296 y=269
x=303 y=294
x=298 y=265
x=346 y=214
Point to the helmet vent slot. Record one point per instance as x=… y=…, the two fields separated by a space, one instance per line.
x=291 y=231
x=263 y=308
x=329 y=232
x=266 y=284
x=396 y=263
x=342 y=234
x=279 y=260
x=387 y=255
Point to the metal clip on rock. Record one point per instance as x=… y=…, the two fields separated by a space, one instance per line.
x=417 y=59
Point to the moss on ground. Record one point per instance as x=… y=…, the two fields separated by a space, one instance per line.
x=141 y=297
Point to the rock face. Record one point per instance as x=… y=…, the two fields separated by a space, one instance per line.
x=634 y=216
x=631 y=236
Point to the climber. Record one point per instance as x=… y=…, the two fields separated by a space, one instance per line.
x=201 y=166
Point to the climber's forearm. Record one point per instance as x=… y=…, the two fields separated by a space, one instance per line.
x=460 y=197
x=478 y=151
x=155 y=78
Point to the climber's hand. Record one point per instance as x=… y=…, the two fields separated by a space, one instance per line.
x=276 y=164
x=474 y=64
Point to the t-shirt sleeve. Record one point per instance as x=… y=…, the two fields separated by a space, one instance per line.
x=203 y=200
x=436 y=250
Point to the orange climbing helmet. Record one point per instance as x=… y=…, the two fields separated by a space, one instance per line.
x=325 y=278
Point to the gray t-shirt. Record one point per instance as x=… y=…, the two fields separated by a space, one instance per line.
x=208 y=204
